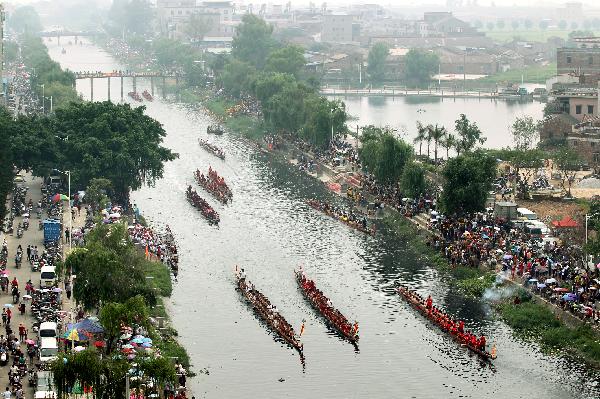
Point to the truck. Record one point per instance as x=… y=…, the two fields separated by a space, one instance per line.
x=52 y=230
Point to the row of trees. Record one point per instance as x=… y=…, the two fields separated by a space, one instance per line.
x=419 y=65
x=468 y=135
x=92 y=140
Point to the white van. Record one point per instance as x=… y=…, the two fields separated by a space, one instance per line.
x=48 y=329
x=526 y=214
x=48 y=350
x=47 y=276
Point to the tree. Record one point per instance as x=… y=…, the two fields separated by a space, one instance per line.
x=160 y=369
x=266 y=85
x=574 y=25
x=562 y=25
x=500 y=24
x=526 y=162
x=413 y=180
x=197 y=27
x=286 y=110
x=421 y=136
x=383 y=154
x=237 y=77
x=568 y=163
x=528 y=24
x=468 y=134
x=114 y=315
x=112 y=141
x=252 y=42
x=515 y=24
x=98 y=193
x=543 y=24
x=478 y=24
x=467 y=181
x=376 y=61
x=436 y=133
x=525 y=131
x=490 y=25
x=289 y=60
x=130 y=16
x=24 y=20
x=448 y=142
x=321 y=115
x=420 y=66
x=6 y=160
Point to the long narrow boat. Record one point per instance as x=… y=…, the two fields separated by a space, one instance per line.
x=135 y=96
x=214 y=184
x=323 y=305
x=213 y=149
x=328 y=210
x=409 y=296
x=214 y=129
x=147 y=95
x=265 y=310
x=204 y=207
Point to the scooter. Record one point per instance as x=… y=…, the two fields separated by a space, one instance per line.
x=3 y=358
x=19 y=232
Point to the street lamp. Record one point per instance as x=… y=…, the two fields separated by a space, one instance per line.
x=332 y=109
x=70 y=210
x=43 y=97
x=50 y=98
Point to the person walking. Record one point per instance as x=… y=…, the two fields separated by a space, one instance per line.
x=67 y=235
x=68 y=289
x=8 y=316
x=4 y=316
x=29 y=253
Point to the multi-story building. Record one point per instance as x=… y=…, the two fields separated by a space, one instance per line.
x=578 y=102
x=582 y=59
x=337 y=28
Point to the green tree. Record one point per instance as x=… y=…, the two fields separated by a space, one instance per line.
x=112 y=141
x=420 y=66
x=413 y=180
x=568 y=163
x=237 y=77
x=448 y=142
x=266 y=85
x=98 y=193
x=289 y=60
x=24 y=20
x=526 y=162
x=376 y=61
x=114 y=315
x=467 y=180
x=197 y=27
x=525 y=131
x=574 y=25
x=436 y=133
x=321 y=115
x=286 y=110
x=468 y=134
x=528 y=24
x=515 y=24
x=500 y=24
x=562 y=25
x=421 y=136
x=159 y=369
x=130 y=16
x=543 y=24
x=6 y=158
x=490 y=25
x=252 y=42
x=383 y=154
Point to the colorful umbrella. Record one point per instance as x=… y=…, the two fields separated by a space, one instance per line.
x=146 y=345
x=75 y=335
x=79 y=348
x=99 y=344
x=59 y=197
x=30 y=342
x=138 y=340
x=127 y=346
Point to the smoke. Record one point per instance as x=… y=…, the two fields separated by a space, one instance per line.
x=500 y=289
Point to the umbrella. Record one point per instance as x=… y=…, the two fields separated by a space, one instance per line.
x=138 y=340
x=561 y=290
x=533 y=280
x=147 y=345
x=569 y=297
x=30 y=342
x=114 y=215
x=148 y=340
x=4 y=272
x=99 y=344
x=127 y=346
x=541 y=285
x=75 y=335
x=507 y=256
x=59 y=197
x=79 y=348
x=26 y=296
x=8 y=305
x=550 y=281
x=90 y=326
x=56 y=289
x=125 y=336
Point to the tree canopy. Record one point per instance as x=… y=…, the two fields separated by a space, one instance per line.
x=524 y=130
x=420 y=66
x=288 y=60
x=253 y=41
x=130 y=16
x=376 y=61
x=467 y=180
x=468 y=134
x=383 y=154
x=413 y=180
x=24 y=20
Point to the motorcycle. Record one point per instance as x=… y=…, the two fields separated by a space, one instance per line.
x=32 y=378
x=40 y=225
x=19 y=232
x=26 y=223
x=3 y=358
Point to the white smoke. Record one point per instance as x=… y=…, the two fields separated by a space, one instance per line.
x=500 y=290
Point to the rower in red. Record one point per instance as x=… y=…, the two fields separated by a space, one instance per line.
x=429 y=304
x=482 y=343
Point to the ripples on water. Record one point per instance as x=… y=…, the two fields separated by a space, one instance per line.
x=270 y=231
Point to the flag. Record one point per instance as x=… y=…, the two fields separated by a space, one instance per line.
x=302 y=328
x=146 y=251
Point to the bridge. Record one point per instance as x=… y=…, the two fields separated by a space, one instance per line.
x=127 y=74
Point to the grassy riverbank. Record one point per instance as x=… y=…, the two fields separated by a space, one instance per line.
x=535 y=322
x=469 y=281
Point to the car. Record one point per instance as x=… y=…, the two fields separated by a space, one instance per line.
x=19 y=179
x=48 y=350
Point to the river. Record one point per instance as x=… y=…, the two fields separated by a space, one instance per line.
x=269 y=231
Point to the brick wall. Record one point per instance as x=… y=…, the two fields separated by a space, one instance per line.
x=578 y=60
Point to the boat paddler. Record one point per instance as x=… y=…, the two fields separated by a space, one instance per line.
x=482 y=343
x=429 y=303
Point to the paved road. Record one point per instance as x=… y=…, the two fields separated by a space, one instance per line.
x=32 y=236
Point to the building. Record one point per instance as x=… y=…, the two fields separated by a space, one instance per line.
x=446 y=25
x=578 y=60
x=337 y=28
x=466 y=61
x=578 y=102
x=585 y=139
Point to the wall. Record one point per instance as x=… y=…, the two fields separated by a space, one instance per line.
x=583 y=102
x=578 y=60
x=337 y=28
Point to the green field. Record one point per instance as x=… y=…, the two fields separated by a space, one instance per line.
x=534 y=74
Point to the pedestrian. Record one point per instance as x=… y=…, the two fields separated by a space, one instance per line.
x=67 y=235
x=8 y=316
x=29 y=253
x=21 y=332
x=4 y=316
x=6 y=394
x=73 y=214
x=19 y=393
x=22 y=308
x=35 y=253
x=68 y=289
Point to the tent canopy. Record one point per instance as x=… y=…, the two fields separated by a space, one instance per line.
x=566 y=222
